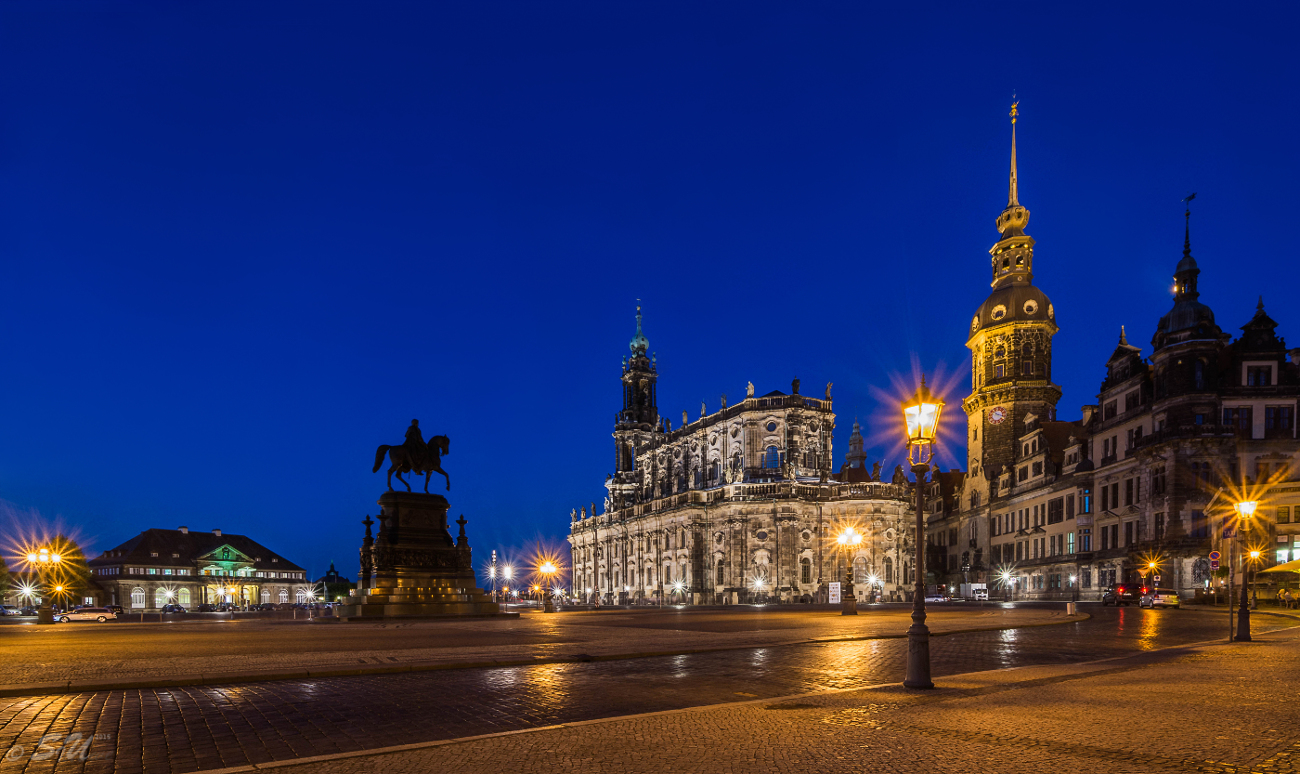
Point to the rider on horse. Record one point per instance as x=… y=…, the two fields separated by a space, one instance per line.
x=416 y=449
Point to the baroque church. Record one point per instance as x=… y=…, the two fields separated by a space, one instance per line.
x=736 y=506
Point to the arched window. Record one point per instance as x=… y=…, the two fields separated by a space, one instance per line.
x=266 y=596
x=719 y=580
x=183 y=596
x=683 y=577
x=1199 y=375
x=889 y=570
x=772 y=459
x=225 y=553
x=301 y=596
x=284 y=596
x=160 y=598
x=860 y=570
x=805 y=570
x=137 y=597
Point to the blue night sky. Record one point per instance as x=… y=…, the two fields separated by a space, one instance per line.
x=242 y=244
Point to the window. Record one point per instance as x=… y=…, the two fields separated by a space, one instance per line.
x=1238 y=418
x=1038 y=468
x=772 y=459
x=1105 y=539
x=301 y=596
x=167 y=572
x=1198 y=375
x=1200 y=525
x=1105 y=497
x=889 y=570
x=152 y=571
x=1128 y=491
x=1278 y=419
x=805 y=570
x=1158 y=482
x=1114 y=495
x=1128 y=533
x=1132 y=400
x=1056 y=510
x=1027 y=368
x=1160 y=526
x=1069 y=540
x=183 y=596
x=999 y=371
x=1085 y=505
x=154 y=554
x=284 y=596
x=1109 y=411
x=1284 y=515
x=1085 y=542
x=860 y=570
x=1069 y=507
x=160 y=598
x=1024 y=473
x=1259 y=376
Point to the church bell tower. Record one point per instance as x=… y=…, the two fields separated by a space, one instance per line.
x=1011 y=348
x=637 y=421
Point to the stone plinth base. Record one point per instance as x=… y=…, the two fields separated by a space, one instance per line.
x=416 y=569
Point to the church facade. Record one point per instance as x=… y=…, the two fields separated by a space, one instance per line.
x=735 y=506
x=1140 y=487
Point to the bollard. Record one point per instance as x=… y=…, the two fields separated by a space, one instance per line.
x=1071 y=608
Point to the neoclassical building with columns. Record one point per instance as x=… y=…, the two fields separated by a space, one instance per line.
x=178 y=567
x=738 y=505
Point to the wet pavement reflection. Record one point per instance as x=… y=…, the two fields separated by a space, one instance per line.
x=191 y=728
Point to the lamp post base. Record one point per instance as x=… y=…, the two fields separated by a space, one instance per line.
x=44 y=615
x=849 y=605
x=918 y=657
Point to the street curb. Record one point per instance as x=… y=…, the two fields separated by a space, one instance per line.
x=220 y=678
x=1073 y=669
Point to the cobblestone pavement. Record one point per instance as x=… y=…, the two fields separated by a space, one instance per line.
x=1216 y=708
x=201 y=727
x=119 y=652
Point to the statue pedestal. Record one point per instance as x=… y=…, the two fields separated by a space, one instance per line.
x=416 y=569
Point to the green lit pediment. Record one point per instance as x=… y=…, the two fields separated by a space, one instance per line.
x=226 y=554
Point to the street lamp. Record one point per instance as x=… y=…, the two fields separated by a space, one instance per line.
x=1245 y=510
x=548 y=572
x=1254 y=598
x=849 y=539
x=921 y=421
x=45 y=561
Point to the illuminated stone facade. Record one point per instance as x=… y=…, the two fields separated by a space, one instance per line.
x=1055 y=509
x=735 y=506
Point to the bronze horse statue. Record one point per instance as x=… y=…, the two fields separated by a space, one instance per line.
x=400 y=457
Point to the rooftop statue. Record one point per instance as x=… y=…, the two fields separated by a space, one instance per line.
x=414 y=456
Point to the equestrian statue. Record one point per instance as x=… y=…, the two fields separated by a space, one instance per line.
x=414 y=456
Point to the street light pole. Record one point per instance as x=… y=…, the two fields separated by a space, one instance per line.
x=848 y=540
x=921 y=420
x=44 y=560
x=1244 y=510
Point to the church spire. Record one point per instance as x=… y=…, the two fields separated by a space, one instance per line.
x=1013 y=194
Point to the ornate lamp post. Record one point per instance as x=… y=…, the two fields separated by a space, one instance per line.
x=1245 y=510
x=548 y=572
x=849 y=539
x=45 y=561
x=921 y=419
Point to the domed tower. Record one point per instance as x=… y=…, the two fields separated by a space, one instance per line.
x=635 y=423
x=1186 y=348
x=1011 y=347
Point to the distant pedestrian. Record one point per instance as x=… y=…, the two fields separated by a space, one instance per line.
x=1290 y=600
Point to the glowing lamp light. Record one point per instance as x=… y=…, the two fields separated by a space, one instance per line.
x=1246 y=508
x=758 y=583
x=1073 y=578
x=547 y=568
x=873 y=580
x=508 y=572
x=921 y=415
x=32 y=558
x=1254 y=554
x=849 y=537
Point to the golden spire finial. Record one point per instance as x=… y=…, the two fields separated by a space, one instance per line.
x=1013 y=195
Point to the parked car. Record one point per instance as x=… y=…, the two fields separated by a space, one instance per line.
x=1122 y=595
x=9 y=610
x=118 y=610
x=174 y=609
x=206 y=608
x=937 y=598
x=1160 y=598
x=27 y=610
x=100 y=614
